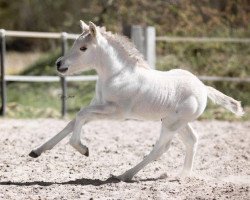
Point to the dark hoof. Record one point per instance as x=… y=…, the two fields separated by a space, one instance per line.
x=113 y=177
x=87 y=152
x=33 y=154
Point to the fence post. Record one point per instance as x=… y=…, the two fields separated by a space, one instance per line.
x=149 y=44
x=63 y=80
x=137 y=37
x=144 y=40
x=3 y=82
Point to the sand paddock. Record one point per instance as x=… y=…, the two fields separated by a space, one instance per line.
x=221 y=168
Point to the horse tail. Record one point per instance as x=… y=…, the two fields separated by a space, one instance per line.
x=227 y=102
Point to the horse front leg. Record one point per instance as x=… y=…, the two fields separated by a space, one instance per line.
x=90 y=113
x=48 y=145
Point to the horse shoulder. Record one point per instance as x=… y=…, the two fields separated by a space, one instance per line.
x=98 y=98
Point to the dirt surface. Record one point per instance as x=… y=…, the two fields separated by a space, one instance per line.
x=221 y=168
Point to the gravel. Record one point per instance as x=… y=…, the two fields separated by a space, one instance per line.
x=221 y=167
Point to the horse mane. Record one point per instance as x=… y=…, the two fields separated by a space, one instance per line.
x=127 y=46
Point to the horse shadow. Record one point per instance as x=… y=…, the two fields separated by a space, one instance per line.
x=82 y=181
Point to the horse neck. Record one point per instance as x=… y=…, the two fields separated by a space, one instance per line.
x=111 y=62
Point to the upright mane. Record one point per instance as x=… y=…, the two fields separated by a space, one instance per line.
x=126 y=46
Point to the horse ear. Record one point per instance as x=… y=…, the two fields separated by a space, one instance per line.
x=92 y=29
x=83 y=26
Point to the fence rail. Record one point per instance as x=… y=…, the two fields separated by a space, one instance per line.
x=202 y=39
x=52 y=35
x=63 y=36
x=229 y=79
x=49 y=35
x=17 y=78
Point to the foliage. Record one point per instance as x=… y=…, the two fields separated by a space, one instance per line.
x=225 y=18
x=170 y=17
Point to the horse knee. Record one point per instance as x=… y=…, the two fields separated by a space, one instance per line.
x=189 y=137
x=191 y=142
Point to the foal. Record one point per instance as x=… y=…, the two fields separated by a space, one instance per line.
x=128 y=88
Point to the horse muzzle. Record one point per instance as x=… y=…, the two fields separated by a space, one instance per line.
x=60 y=68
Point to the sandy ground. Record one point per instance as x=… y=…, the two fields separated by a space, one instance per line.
x=221 y=170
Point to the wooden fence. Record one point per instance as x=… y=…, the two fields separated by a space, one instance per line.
x=144 y=38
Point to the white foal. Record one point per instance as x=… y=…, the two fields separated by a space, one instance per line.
x=128 y=88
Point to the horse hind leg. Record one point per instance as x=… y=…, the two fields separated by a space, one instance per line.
x=162 y=145
x=190 y=140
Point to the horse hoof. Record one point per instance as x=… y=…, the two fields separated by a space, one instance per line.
x=113 y=177
x=123 y=178
x=33 y=154
x=87 y=152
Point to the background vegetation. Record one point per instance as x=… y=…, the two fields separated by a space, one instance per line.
x=211 y=18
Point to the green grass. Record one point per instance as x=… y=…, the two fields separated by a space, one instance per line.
x=28 y=100
x=34 y=100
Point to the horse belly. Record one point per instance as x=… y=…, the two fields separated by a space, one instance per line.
x=151 y=108
x=148 y=113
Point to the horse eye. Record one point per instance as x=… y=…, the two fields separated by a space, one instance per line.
x=83 y=48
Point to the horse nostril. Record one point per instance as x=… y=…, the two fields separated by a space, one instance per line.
x=58 y=64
